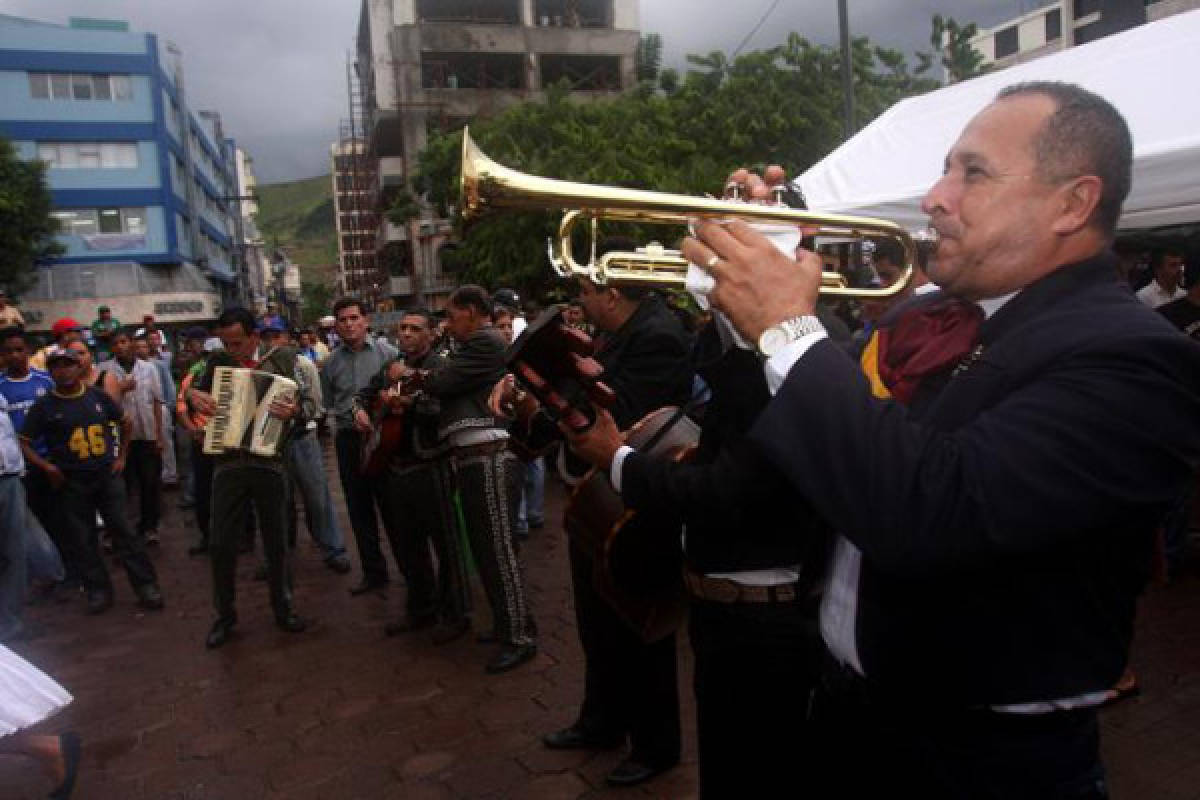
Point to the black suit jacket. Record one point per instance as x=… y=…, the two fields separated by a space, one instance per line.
x=646 y=362
x=1006 y=519
x=739 y=510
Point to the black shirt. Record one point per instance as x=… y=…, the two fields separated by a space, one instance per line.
x=1183 y=314
x=78 y=430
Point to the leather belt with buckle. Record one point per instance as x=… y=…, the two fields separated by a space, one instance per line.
x=723 y=590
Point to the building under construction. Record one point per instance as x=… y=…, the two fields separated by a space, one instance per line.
x=424 y=65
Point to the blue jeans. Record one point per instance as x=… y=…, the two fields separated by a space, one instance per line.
x=307 y=470
x=13 y=576
x=533 y=496
x=41 y=554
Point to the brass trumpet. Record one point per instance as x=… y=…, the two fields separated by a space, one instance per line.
x=488 y=186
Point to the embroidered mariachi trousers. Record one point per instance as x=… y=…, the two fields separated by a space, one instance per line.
x=488 y=487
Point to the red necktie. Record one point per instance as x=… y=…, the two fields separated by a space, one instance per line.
x=926 y=341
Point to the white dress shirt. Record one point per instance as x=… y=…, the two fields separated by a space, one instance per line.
x=1154 y=295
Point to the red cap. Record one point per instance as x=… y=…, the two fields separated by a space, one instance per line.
x=64 y=325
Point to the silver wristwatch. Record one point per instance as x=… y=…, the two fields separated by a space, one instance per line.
x=778 y=336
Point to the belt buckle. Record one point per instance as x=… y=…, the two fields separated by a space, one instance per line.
x=723 y=590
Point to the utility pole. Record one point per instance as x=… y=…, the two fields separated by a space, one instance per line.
x=847 y=74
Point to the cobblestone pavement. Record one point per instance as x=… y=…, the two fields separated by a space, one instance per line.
x=343 y=712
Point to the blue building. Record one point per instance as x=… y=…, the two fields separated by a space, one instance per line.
x=144 y=190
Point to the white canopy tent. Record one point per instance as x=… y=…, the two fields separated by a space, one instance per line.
x=885 y=169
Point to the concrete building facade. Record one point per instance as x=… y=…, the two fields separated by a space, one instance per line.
x=425 y=65
x=139 y=183
x=1066 y=23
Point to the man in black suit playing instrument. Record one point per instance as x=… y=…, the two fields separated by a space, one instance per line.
x=997 y=517
x=630 y=687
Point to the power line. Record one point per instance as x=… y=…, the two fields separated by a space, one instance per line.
x=754 y=30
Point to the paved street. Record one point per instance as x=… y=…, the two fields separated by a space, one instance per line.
x=343 y=712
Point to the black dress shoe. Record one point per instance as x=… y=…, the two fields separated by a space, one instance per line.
x=221 y=632
x=576 y=737
x=99 y=601
x=339 y=563
x=71 y=746
x=511 y=656
x=368 y=585
x=445 y=632
x=631 y=773
x=291 y=623
x=150 y=597
x=409 y=624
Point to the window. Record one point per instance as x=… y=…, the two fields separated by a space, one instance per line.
x=89 y=155
x=110 y=220
x=83 y=86
x=122 y=87
x=1054 y=25
x=39 y=85
x=1006 y=41
x=60 y=86
x=133 y=220
x=90 y=221
x=80 y=223
x=1085 y=7
x=101 y=87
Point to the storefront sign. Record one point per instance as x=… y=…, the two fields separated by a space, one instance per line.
x=179 y=307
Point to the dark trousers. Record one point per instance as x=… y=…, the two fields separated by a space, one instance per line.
x=488 y=486
x=202 y=468
x=755 y=669
x=80 y=499
x=362 y=497
x=236 y=486
x=143 y=474
x=453 y=593
x=413 y=518
x=630 y=687
x=44 y=504
x=877 y=746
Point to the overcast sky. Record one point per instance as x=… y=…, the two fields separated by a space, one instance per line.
x=275 y=69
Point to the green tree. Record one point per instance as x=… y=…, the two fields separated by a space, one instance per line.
x=315 y=301
x=953 y=44
x=781 y=105
x=648 y=58
x=26 y=228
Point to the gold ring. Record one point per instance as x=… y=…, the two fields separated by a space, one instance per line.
x=713 y=259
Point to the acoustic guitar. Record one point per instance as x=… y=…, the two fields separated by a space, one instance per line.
x=388 y=426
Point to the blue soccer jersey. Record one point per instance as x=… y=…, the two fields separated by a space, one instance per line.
x=77 y=429
x=21 y=394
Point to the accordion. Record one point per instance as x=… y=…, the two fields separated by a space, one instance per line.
x=242 y=421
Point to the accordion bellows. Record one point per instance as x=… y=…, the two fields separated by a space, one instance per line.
x=242 y=422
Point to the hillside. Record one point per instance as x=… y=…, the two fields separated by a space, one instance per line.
x=298 y=215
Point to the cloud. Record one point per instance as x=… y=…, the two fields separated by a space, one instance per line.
x=276 y=69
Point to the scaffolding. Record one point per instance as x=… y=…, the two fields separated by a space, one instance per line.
x=356 y=198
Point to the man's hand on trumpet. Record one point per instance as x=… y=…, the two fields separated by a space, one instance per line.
x=757 y=286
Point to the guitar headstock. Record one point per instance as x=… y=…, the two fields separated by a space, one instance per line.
x=554 y=362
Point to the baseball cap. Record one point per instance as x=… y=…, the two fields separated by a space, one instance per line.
x=62 y=354
x=64 y=325
x=327 y=322
x=270 y=326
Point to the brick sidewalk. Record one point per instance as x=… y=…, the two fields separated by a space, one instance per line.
x=343 y=712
